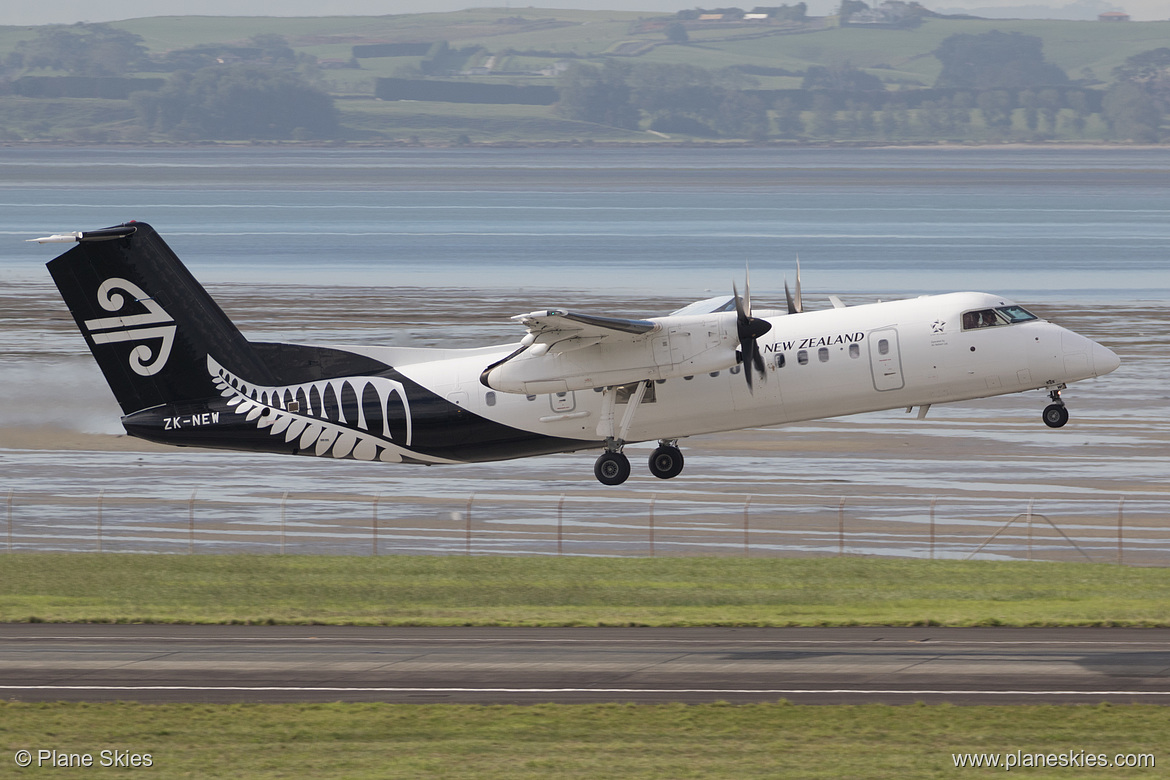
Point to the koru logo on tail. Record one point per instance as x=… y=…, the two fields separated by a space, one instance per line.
x=154 y=324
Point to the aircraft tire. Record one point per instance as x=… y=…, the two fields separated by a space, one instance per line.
x=1055 y=415
x=666 y=462
x=612 y=468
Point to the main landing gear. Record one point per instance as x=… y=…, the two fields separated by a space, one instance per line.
x=612 y=466
x=666 y=462
x=1055 y=414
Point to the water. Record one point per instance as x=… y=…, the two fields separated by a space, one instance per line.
x=1033 y=225
x=441 y=247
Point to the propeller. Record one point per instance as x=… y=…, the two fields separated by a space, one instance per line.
x=795 y=304
x=749 y=329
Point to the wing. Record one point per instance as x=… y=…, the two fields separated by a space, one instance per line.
x=554 y=325
x=566 y=351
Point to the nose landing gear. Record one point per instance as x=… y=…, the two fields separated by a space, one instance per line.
x=1055 y=414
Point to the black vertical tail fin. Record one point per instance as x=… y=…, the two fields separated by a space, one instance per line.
x=149 y=324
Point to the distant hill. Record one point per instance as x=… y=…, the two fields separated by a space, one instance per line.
x=346 y=56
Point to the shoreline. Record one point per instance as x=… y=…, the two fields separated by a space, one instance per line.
x=657 y=143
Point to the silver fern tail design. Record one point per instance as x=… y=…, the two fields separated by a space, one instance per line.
x=344 y=418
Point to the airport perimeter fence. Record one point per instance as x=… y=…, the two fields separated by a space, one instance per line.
x=1126 y=531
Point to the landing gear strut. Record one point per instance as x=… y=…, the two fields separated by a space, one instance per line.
x=666 y=462
x=613 y=467
x=1055 y=414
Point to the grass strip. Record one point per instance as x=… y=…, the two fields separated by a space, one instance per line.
x=531 y=591
x=571 y=741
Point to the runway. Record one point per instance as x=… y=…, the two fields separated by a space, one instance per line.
x=156 y=663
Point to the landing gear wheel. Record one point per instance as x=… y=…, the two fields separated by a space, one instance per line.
x=1055 y=415
x=612 y=468
x=666 y=462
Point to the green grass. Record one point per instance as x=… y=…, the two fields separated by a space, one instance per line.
x=530 y=591
x=460 y=28
x=595 y=741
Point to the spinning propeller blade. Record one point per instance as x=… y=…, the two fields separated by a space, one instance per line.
x=749 y=329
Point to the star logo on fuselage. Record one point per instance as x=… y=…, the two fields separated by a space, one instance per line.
x=939 y=326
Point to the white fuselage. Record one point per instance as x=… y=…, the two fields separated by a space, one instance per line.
x=819 y=364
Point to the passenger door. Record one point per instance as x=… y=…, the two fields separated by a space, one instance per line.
x=885 y=360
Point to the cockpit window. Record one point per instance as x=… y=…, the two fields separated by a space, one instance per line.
x=984 y=318
x=1016 y=314
x=989 y=318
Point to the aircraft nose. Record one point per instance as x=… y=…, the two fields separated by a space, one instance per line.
x=1105 y=360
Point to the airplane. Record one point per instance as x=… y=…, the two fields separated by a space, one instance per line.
x=183 y=374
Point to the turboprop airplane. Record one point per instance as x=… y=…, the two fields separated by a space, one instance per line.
x=184 y=375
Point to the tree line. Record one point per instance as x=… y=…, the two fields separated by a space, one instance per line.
x=675 y=98
x=260 y=90
x=992 y=86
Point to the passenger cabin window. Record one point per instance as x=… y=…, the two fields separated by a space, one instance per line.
x=780 y=361
x=823 y=354
x=802 y=357
x=990 y=318
x=854 y=351
x=883 y=346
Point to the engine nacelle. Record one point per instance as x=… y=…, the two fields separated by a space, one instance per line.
x=682 y=346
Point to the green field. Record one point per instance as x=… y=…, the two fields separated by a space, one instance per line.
x=595 y=741
x=578 y=741
x=536 y=591
x=897 y=56
x=1074 y=46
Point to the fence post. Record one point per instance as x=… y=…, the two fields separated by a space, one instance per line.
x=101 y=497
x=841 y=529
x=746 y=548
x=377 y=498
x=1120 y=535
x=1030 y=500
x=283 y=501
x=191 y=522
x=467 y=515
x=10 y=492
x=933 y=501
x=652 y=499
x=561 y=525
